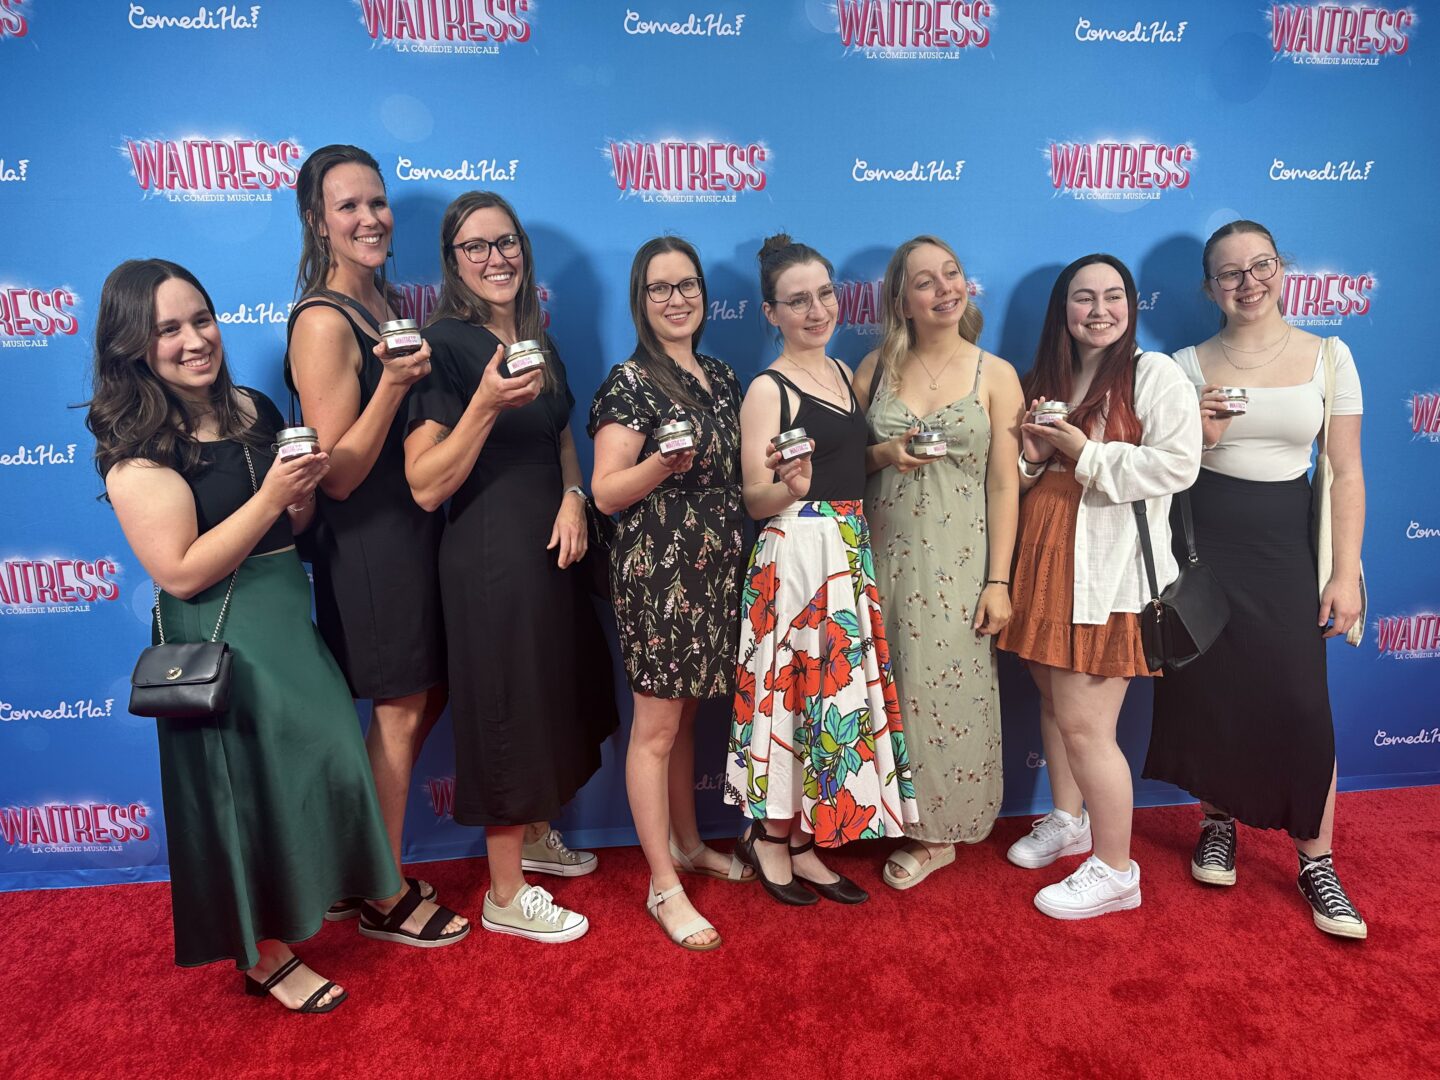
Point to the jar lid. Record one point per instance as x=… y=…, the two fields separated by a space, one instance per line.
x=674 y=427
x=1053 y=406
x=396 y=326
x=928 y=437
x=523 y=347
x=793 y=435
x=1234 y=391
x=296 y=434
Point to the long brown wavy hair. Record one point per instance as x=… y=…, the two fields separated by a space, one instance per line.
x=458 y=301
x=649 y=353
x=899 y=332
x=132 y=412
x=1112 y=391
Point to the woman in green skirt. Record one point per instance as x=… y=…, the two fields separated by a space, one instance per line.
x=270 y=809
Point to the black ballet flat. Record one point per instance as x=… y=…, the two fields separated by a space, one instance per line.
x=792 y=892
x=843 y=891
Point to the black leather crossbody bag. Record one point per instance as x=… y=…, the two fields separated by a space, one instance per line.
x=1177 y=626
x=186 y=679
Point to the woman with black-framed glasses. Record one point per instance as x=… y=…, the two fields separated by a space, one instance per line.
x=1247 y=727
x=675 y=565
x=531 y=691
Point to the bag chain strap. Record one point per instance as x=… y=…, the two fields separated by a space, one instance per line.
x=229 y=592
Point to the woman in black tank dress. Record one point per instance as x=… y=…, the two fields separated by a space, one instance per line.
x=531 y=689
x=817 y=749
x=377 y=594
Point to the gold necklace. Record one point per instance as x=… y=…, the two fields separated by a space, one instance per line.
x=935 y=375
x=1283 y=340
x=838 y=391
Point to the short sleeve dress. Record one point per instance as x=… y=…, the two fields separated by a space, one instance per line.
x=532 y=694
x=675 y=567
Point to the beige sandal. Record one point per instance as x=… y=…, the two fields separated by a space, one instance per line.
x=689 y=929
x=685 y=862
x=912 y=866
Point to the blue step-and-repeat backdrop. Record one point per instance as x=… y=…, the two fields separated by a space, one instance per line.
x=1025 y=133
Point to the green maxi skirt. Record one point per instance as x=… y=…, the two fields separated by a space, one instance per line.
x=270 y=810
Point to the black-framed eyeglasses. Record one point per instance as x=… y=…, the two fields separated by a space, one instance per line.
x=478 y=251
x=660 y=291
x=1260 y=270
x=802 y=304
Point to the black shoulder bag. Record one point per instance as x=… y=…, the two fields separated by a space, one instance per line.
x=186 y=680
x=1176 y=627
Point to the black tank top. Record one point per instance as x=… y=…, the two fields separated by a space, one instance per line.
x=838 y=466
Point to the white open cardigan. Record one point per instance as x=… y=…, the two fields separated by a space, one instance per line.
x=1109 y=569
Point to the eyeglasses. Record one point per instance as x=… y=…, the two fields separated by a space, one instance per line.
x=478 y=251
x=802 y=304
x=659 y=291
x=1263 y=270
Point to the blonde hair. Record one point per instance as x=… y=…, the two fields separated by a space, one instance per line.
x=899 y=334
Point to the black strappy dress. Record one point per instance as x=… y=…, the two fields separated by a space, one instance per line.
x=377 y=584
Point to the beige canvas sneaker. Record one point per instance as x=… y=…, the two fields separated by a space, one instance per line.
x=549 y=855
x=534 y=914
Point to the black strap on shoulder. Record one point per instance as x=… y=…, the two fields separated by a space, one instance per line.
x=783 y=382
x=849 y=385
x=336 y=301
x=354 y=305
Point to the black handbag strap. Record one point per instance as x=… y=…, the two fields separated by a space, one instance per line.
x=230 y=591
x=1142 y=524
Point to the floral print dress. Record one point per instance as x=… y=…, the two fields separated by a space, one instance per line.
x=675 y=566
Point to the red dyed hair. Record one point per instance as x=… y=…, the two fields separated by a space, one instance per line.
x=1112 y=391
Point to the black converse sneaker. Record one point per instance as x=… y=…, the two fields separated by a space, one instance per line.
x=1214 y=858
x=1332 y=909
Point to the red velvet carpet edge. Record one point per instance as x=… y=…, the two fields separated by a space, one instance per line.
x=959 y=977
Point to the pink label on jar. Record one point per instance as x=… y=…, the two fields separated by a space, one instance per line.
x=931 y=450
x=1236 y=406
x=799 y=449
x=679 y=442
x=409 y=341
x=295 y=449
x=520 y=364
x=1049 y=417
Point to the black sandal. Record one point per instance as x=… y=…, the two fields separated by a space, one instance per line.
x=792 y=892
x=259 y=989
x=843 y=891
x=376 y=924
x=349 y=908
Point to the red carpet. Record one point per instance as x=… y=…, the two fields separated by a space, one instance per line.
x=960 y=977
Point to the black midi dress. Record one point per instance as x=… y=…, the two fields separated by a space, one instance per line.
x=377 y=590
x=531 y=686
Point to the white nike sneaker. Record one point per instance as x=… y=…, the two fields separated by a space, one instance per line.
x=1052 y=836
x=1093 y=889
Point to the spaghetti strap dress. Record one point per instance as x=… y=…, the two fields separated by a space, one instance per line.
x=816 y=729
x=375 y=557
x=928 y=530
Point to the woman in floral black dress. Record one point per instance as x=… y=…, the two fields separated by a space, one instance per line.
x=676 y=564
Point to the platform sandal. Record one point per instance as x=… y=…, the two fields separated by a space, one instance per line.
x=376 y=924
x=349 y=908
x=841 y=891
x=685 y=862
x=689 y=929
x=792 y=892
x=262 y=989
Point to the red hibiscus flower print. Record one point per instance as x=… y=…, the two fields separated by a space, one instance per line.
x=744 y=696
x=815 y=611
x=762 y=609
x=798 y=680
x=836 y=666
x=842 y=822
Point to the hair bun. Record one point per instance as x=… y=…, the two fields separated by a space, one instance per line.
x=773 y=244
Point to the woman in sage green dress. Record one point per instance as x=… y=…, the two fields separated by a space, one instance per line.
x=943 y=530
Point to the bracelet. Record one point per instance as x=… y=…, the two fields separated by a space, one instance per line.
x=1026 y=465
x=301 y=506
x=576 y=488
x=996 y=581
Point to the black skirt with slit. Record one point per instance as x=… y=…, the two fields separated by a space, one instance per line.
x=1247 y=727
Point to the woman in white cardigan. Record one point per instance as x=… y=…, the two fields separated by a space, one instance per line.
x=1132 y=432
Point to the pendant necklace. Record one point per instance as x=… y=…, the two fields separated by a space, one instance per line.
x=935 y=375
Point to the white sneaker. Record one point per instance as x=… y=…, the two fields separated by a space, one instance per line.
x=1054 y=835
x=534 y=914
x=1093 y=889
